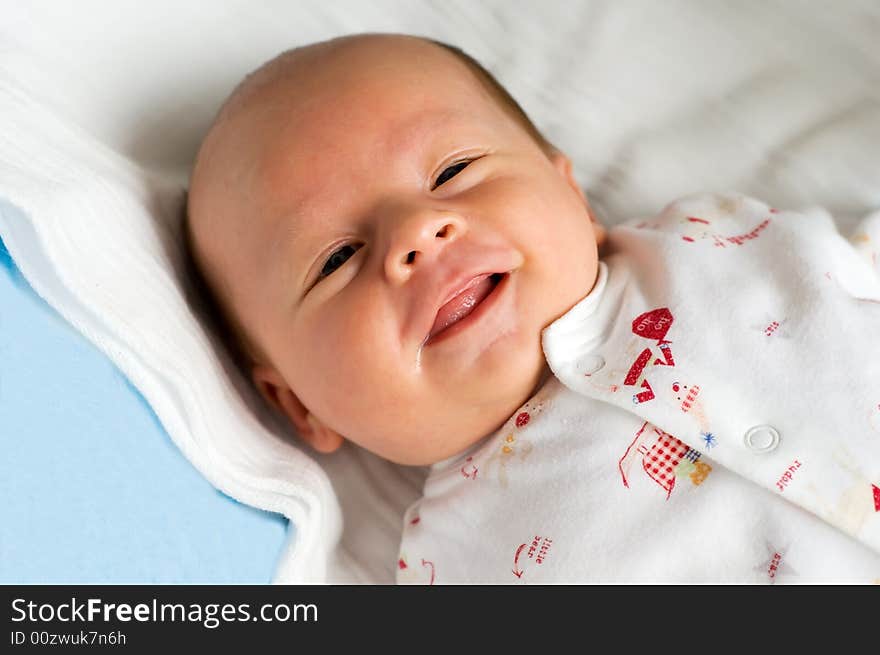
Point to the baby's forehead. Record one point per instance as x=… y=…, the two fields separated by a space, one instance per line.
x=351 y=62
x=362 y=128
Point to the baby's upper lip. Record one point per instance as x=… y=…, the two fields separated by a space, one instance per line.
x=448 y=279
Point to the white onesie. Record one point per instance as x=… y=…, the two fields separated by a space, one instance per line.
x=713 y=415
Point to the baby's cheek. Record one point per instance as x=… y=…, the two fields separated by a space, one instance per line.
x=352 y=360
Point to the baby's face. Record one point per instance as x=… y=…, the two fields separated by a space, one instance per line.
x=395 y=242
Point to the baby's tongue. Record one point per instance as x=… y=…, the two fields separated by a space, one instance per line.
x=462 y=305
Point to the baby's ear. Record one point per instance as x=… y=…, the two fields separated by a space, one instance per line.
x=563 y=165
x=281 y=397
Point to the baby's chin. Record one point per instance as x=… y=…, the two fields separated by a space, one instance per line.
x=486 y=417
x=434 y=431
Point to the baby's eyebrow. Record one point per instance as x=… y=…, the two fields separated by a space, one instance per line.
x=416 y=134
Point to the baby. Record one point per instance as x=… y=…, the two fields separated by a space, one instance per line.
x=403 y=261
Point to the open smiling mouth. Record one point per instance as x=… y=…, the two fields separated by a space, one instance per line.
x=466 y=307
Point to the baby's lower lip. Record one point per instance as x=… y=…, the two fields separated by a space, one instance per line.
x=462 y=306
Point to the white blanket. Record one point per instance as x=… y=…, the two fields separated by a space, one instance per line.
x=102 y=106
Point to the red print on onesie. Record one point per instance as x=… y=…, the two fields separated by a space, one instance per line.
x=720 y=224
x=513 y=445
x=772 y=327
x=468 y=469
x=688 y=402
x=662 y=456
x=652 y=325
x=775 y=565
x=610 y=379
x=419 y=573
x=533 y=553
x=699 y=228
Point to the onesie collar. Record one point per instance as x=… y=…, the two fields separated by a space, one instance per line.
x=587 y=324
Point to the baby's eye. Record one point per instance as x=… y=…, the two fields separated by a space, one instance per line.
x=450 y=172
x=337 y=259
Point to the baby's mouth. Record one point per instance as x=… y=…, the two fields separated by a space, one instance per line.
x=465 y=302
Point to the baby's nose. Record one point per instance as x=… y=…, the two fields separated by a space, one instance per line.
x=417 y=240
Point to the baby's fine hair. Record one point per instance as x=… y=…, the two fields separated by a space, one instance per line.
x=244 y=351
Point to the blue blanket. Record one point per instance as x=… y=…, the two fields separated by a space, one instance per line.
x=93 y=490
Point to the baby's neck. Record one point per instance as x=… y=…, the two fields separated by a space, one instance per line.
x=545 y=375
